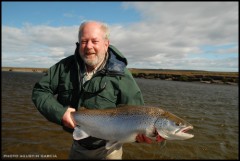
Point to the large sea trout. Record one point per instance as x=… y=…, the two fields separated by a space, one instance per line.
x=124 y=123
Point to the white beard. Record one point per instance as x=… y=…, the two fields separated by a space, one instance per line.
x=94 y=62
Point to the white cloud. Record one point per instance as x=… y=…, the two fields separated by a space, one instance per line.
x=174 y=32
x=170 y=35
x=47 y=44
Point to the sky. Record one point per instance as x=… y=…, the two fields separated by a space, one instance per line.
x=151 y=35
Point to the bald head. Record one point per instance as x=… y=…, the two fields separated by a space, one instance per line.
x=96 y=24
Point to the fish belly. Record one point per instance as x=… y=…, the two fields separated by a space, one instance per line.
x=121 y=128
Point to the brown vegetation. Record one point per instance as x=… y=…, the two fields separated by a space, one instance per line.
x=21 y=69
x=187 y=75
x=164 y=74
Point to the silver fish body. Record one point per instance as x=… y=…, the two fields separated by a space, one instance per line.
x=124 y=123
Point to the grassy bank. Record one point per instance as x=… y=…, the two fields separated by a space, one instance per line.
x=22 y=69
x=164 y=74
x=183 y=72
x=187 y=75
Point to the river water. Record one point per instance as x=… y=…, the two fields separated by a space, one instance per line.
x=212 y=109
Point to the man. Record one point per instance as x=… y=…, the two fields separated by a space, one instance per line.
x=94 y=77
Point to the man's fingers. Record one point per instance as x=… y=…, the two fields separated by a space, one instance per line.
x=159 y=138
x=143 y=138
x=139 y=138
x=147 y=139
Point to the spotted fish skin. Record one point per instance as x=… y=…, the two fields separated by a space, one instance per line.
x=124 y=123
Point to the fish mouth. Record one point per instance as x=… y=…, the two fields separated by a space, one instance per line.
x=183 y=132
x=187 y=128
x=180 y=134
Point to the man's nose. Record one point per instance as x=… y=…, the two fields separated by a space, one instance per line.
x=89 y=44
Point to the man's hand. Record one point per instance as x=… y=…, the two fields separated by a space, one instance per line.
x=143 y=138
x=67 y=120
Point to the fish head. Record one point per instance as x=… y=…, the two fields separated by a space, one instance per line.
x=171 y=127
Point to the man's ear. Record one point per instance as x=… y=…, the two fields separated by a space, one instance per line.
x=107 y=43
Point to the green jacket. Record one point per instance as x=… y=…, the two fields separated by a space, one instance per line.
x=61 y=86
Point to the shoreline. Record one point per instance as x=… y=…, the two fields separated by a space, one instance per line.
x=208 y=77
x=23 y=69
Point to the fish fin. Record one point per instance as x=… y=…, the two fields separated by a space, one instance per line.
x=111 y=144
x=79 y=134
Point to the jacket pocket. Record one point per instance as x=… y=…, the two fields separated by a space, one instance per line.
x=105 y=99
x=65 y=92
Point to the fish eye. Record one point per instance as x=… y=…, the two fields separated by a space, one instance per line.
x=178 y=123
